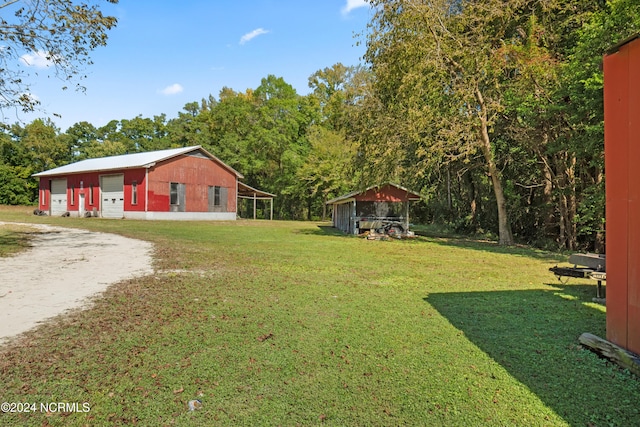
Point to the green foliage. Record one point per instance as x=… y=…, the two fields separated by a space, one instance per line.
x=41 y=146
x=24 y=151
x=15 y=186
x=96 y=149
x=447 y=105
x=327 y=171
x=534 y=68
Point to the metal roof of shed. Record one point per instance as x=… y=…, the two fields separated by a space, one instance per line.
x=245 y=190
x=130 y=161
x=411 y=195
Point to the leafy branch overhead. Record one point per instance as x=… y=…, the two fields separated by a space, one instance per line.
x=56 y=35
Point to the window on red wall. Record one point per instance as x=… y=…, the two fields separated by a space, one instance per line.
x=73 y=194
x=173 y=194
x=91 y=194
x=218 y=199
x=134 y=192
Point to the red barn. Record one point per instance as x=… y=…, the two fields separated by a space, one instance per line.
x=180 y=183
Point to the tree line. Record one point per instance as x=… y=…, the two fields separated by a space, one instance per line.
x=291 y=145
x=492 y=109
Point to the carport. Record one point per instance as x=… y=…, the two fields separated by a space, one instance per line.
x=370 y=208
x=246 y=192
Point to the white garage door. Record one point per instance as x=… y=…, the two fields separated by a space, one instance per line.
x=58 y=197
x=112 y=200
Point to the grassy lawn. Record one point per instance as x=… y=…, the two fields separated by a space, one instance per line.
x=290 y=323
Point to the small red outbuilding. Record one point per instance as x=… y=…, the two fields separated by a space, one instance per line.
x=179 y=183
x=362 y=210
x=622 y=154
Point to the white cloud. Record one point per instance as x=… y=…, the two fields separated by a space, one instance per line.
x=354 y=4
x=253 y=34
x=174 y=89
x=37 y=59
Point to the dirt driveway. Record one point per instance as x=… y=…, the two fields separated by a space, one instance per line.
x=61 y=271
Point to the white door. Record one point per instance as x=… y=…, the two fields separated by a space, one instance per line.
x=81 y=205
x=58 y=197
x=112 y=196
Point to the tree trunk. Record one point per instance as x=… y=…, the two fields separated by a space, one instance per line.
x=505 y=236
x=547 y=192
x=474 y=202
x=599 y=244
x=573 y=206
x=324 y=207
x=449 y=198
x=560 y=175
x=565 y=165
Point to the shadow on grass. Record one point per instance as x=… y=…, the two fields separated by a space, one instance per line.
x=494 y=247
x=448 y=238
x=533 y=334
x=584 y=291
x=454 y=241
x=13 y=242
x=322 y=230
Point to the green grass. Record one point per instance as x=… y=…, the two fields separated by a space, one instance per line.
x=14 y=239
x=288 y=323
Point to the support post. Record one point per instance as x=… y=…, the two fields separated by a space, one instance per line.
x=406 y=216
x=354 y=230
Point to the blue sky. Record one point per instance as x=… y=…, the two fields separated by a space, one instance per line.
x=164 y=54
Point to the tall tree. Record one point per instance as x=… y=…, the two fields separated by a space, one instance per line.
x=327 y=171
x=79 y=136
x=17 y=187
x=278 y=139
x=336 y=88
x=581 y=106
x=440 y=68
x=41 y=145
x=54 y=33
x=227 y=127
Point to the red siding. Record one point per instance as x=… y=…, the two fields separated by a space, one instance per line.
x=44 y=194
x=386 y=193
x=82 y=184
x=198 y=174
x=137 y=175
x=622 y=152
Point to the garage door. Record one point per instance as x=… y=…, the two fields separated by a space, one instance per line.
x=112 y=190
x=58 y=197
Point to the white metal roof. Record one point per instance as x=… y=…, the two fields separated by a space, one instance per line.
x=129 y=161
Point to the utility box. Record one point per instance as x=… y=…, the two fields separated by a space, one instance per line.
x=622 y=169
